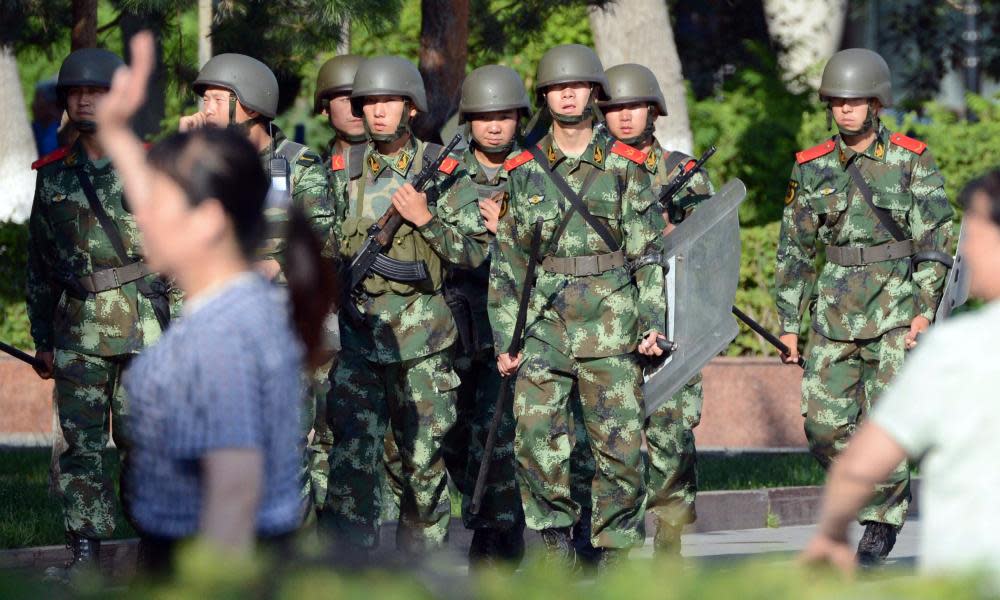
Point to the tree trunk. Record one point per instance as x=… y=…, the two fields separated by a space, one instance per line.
x=808 y=32
x=639 y=31
x=17 y=144
x=444 y=38
x=84 y=33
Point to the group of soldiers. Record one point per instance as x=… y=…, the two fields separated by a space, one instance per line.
x=564 y=217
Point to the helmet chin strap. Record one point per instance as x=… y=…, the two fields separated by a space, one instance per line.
x=871 y=119
x=588 y=112
x=350 y=138
x=242 y=126
x=85 y=126
x=645 y=135
x=402 y=129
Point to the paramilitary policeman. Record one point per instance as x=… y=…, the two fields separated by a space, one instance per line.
x=598 y=300
x=92 y=302
x=876 y=201
x=395 y=368
x=671 y=475
x=242 y=92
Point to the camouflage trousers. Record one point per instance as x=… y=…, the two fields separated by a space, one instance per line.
x=671 y=465
x=610 y=410
x=89 y=394
x=416 y=398
x=464 y=444
x=842 y=382
x=317 y=467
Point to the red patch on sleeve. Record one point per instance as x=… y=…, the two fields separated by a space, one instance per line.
x=448 y=165
x=914 y=146
x=815 y=152
x=49 y=158
x=633 y=154
x=337 y=162
x=513 y=163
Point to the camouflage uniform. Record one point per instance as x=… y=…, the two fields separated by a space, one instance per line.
x=93 y=335
x=671 y=470
x=396 y=367
x=310 y=192
x=861 y=313
x=581 y=329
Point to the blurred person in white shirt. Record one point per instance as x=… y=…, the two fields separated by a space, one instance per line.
x=944 y=411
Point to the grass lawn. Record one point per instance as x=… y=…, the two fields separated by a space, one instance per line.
x=29 y=516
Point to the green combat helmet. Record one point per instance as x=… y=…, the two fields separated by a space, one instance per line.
x=857 y=73
x=93 y=67
x=336 y=76
x=635 y=84
x=251 y=82
x=570 y=63
x=489 y=89
x=389 y=76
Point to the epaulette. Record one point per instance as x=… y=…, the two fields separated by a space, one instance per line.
x=903 y=141
x=337 y=162
x=448 y=165
x=634 y=155
x=815 y=152
x=308 y=158
x=49 y=158
x=512 y=163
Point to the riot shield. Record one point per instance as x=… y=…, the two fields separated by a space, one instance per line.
x=956 y=287
x=703 y=254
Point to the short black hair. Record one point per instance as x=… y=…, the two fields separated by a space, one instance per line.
x=987 y=185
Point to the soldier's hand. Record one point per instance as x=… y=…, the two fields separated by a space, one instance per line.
x=792 y=341
x=507 y=365
x=46 y=359
x=128 y=85
x=195 y=121
x=823 y=550
x=412 y=205
x=490 y=210
x=918 y=325
x=648 y=346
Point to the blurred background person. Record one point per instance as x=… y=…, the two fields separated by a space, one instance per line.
x=956 y=444
x=218 y=450
x=46 y=115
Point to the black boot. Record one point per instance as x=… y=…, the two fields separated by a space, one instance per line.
x=876 y=543
x=510 y=543
x=559 y=547
x=86 y=556
x=484 y=550
x=586 y=553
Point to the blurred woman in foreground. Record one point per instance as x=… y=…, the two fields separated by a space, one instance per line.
x=215 y=413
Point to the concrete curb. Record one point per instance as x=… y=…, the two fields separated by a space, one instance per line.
x=717 y=511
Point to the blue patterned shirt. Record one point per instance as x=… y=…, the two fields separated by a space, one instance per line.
x=228 y=375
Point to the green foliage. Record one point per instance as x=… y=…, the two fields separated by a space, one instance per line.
x=753 y=295
x=14 y=328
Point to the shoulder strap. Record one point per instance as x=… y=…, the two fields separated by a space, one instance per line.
x=160 y=309
x=356 y=160
x=673 y=160
x=866 y=192
x=291 y=151
x=575 y=200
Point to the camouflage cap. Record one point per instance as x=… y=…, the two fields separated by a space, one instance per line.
x=631 y=83
x=335 y=76
x=857 y=73
x=253 y=83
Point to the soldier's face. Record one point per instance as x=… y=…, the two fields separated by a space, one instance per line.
x=81 y=102
x=216 y=107
x=849 y=113
x=383 y=113
x=980 y=247
x=341 y=118
x=568 y=98
x=494 y=129
x=627 y=120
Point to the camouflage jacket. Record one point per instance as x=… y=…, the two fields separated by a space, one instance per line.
x=65 y=243
x=823 y=206
x=583 y=316
x=473 y=284
x=309 y=191
x=663 y=167
x=404 y=321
